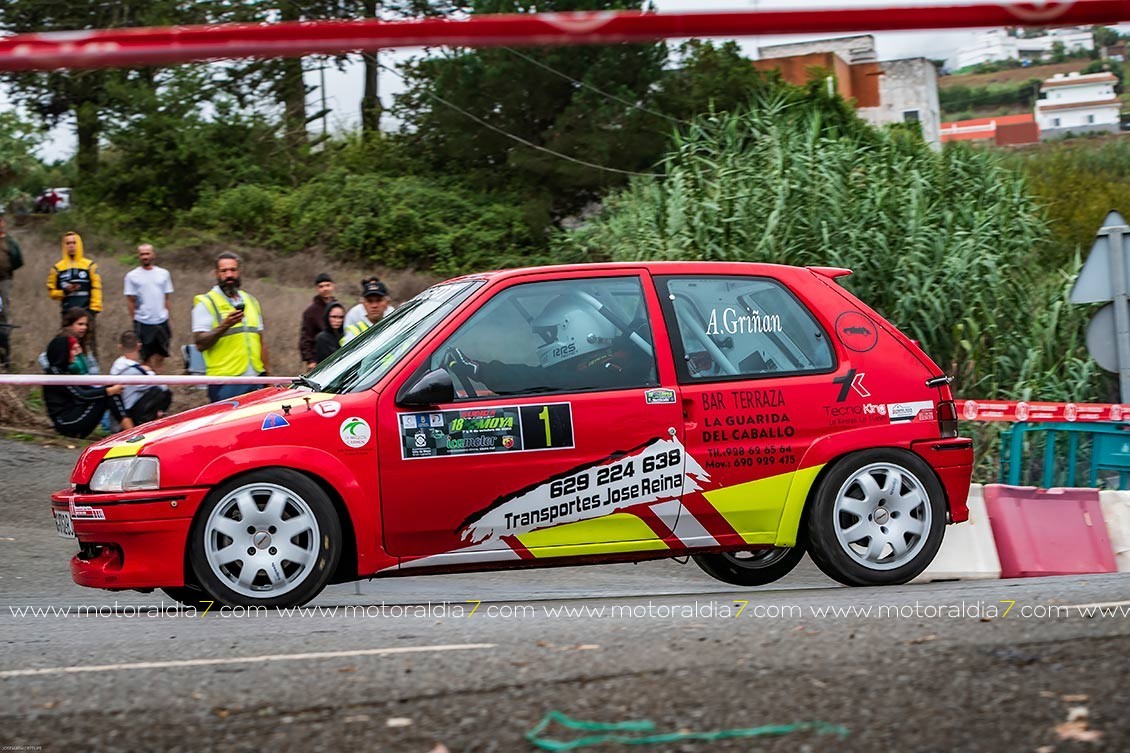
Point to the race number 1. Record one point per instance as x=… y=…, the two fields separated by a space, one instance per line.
x=546 y=426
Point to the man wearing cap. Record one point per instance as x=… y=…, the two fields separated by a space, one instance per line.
x=314 y=318
x=358 y=312
x=375 y=297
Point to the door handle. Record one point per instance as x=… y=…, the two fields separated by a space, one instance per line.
x=688 y=410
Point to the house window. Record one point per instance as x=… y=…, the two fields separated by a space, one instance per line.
x=910 y=116
x=1055 y=122
x=1090 y=119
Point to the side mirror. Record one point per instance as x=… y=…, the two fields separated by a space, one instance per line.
x=432 y=388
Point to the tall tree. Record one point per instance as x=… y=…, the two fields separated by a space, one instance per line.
x=89 y=96
x=471 y=110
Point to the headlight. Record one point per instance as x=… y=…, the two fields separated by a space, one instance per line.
x=126 y=475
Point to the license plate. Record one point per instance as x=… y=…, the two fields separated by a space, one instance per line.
x=63 y=524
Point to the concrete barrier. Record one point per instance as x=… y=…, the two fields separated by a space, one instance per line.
x=1116 y=513
x=968 y=551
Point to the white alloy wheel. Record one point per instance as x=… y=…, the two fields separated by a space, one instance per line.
x=262 y=540
x=882 y=516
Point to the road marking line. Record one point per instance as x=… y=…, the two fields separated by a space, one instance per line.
x=1100 y=605
x=243 y=660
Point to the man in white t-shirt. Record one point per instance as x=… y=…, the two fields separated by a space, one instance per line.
x=359 y=313
x=147 y=291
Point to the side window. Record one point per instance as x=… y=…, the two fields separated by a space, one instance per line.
x=741 y=327
x=560 y=336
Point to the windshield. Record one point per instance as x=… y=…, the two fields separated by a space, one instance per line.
x=361 y=362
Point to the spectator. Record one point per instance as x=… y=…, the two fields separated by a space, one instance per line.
x=375 y=296
x=314 y=318
x=142 y=403
x=147 y=291
x=227 y=325
x=11 y=259
x=74 y=281
x=76 y=410
x=329 y=339
x=358 y=313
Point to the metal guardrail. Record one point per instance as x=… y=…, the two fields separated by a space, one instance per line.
x=93 y=380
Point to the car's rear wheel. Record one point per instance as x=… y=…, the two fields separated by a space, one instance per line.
x=877 y=518
x=270 y=538
x=754 y=567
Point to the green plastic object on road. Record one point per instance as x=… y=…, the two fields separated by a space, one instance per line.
x=613 y=732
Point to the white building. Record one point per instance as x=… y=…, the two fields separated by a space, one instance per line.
x=998 y=44
x=1078 y=103
x=884 y=91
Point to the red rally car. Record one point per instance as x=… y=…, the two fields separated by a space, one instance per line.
x=740 y=413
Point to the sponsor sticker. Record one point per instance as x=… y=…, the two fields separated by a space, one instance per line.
x=355 y=432
x=856 y=331
x=899 y=412
x=86 y=512
x=472 y=431
x=327 y=408
x=659 y=470
x=659 y=396
x=274 y=421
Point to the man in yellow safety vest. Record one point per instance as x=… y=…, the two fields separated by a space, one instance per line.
x=227 y=325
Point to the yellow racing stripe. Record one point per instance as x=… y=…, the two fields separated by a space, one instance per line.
x=619 y=532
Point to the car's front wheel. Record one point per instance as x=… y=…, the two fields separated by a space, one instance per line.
x=269 y=538
x=755 y=567
x=877 y=518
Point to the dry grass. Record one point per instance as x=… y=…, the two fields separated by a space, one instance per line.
x=1012 y=75
x=283 y=285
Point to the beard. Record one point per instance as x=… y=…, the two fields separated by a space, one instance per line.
x=230 y=287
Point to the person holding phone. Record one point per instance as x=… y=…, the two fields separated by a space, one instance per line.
x=227 y=327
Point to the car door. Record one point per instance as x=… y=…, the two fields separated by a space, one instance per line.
x=754 y=370
x=565 y=438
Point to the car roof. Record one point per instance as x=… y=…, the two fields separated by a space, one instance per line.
x=662 y=268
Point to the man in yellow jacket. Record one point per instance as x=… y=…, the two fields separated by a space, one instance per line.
x=74 y=282
x=227 y=326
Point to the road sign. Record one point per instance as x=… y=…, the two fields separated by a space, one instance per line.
x=1104 y=278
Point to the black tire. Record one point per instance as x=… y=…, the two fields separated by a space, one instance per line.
x=242 y=524
x=868 y=506
x=755 y=567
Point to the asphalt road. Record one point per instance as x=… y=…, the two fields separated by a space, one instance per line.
x=935 y=667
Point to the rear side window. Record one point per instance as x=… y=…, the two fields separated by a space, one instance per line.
x=741 y=328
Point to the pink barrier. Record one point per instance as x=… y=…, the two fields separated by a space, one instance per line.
x=1048 y=531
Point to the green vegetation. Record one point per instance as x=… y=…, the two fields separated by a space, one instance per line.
x=961 y=102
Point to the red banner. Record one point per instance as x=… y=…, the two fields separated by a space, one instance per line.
x=152 y=46
x=1005 y=410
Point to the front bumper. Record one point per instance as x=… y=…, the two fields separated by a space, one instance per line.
x=130 y=540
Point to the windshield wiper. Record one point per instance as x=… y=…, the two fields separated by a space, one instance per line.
x=306 y=381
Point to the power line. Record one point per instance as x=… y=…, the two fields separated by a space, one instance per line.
x=523 y=141
x=590 y=87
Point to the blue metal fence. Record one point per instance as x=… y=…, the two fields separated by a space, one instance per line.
x=1032 y=455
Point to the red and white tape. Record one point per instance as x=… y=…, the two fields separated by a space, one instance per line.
x=1040 y=412
x=94 y=380
x=181 y=44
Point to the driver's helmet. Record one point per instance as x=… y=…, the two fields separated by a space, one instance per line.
x=570 y=328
